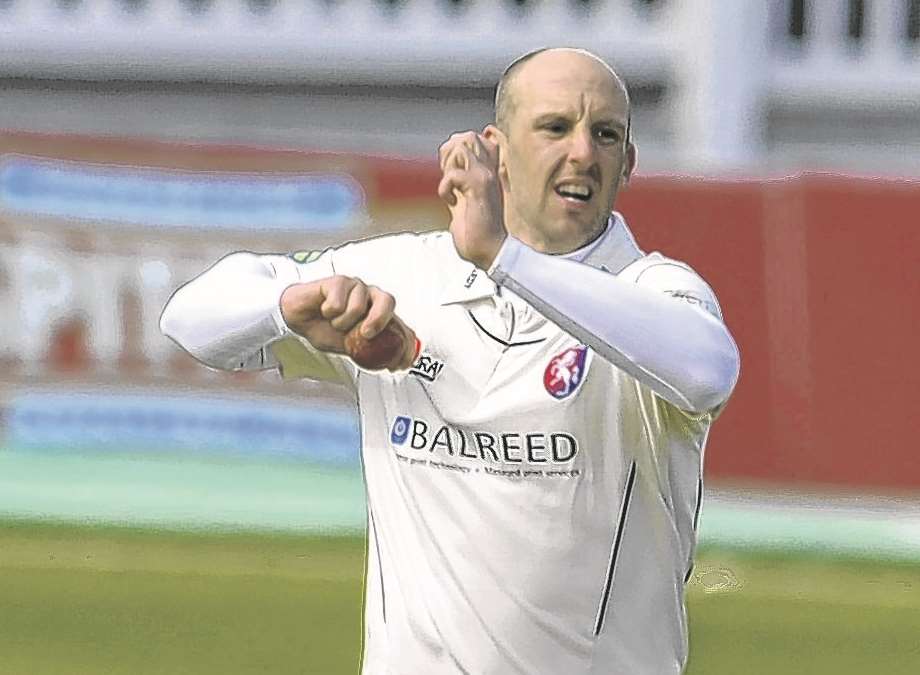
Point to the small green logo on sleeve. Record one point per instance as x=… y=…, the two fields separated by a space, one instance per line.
x=306 y=256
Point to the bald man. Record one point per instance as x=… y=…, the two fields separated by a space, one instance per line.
x=534 y=474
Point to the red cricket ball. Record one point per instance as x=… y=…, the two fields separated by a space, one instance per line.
x=378 y=352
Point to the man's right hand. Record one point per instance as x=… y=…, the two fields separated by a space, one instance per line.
x=324 y=311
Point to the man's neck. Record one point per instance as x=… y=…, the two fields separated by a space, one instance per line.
x=538 y=240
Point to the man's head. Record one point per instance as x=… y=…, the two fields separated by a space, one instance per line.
x=562 y=121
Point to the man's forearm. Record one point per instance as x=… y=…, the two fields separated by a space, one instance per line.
x=682 y=353
x=230 y=311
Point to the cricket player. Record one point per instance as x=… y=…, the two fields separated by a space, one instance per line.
x=533 y=474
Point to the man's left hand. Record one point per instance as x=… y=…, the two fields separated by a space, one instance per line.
x=471 y=188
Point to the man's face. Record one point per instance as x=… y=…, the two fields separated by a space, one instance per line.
x=565 y=154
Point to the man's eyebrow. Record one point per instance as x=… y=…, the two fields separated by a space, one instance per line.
x=612 y=122
x=562 y=113
x=550 y=115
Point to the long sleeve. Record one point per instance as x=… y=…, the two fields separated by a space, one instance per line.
x=229 y=317
x=664 y=329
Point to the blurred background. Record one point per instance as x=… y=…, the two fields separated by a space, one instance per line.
x=159 y=517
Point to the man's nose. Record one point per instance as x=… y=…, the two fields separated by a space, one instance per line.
x=581 y=147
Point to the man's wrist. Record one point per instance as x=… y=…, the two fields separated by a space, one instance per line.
x=289 y=313
x=487 y=262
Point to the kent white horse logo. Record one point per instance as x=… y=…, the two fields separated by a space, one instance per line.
x=565 y=371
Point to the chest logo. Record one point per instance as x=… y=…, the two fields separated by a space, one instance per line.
x=427 y=367
x=400 y=430
x=565 y=372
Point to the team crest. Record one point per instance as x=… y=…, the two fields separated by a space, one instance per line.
x=565 y=372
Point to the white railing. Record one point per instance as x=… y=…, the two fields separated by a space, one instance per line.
x=431 y=41
x=721 y=63
x=742 y=58
x=858 y=53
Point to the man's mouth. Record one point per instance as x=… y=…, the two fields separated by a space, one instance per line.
x=574 y=192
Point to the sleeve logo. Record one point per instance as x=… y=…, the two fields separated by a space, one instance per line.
x=693 y=299
x=306 y=256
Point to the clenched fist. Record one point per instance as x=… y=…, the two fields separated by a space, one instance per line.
x=327 y=310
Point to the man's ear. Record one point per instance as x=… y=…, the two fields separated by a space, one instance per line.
x=632 y=160
x=496 y=135
x=493 y=133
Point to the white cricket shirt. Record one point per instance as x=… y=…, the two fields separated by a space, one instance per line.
x=531 y=507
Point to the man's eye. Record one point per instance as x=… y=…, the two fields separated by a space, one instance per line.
x=555 y=127
x=608 y=135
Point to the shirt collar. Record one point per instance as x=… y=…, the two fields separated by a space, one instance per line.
x=613 y=250
x=465 y=282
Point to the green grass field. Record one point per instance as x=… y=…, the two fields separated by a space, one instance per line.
x=106 y=600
